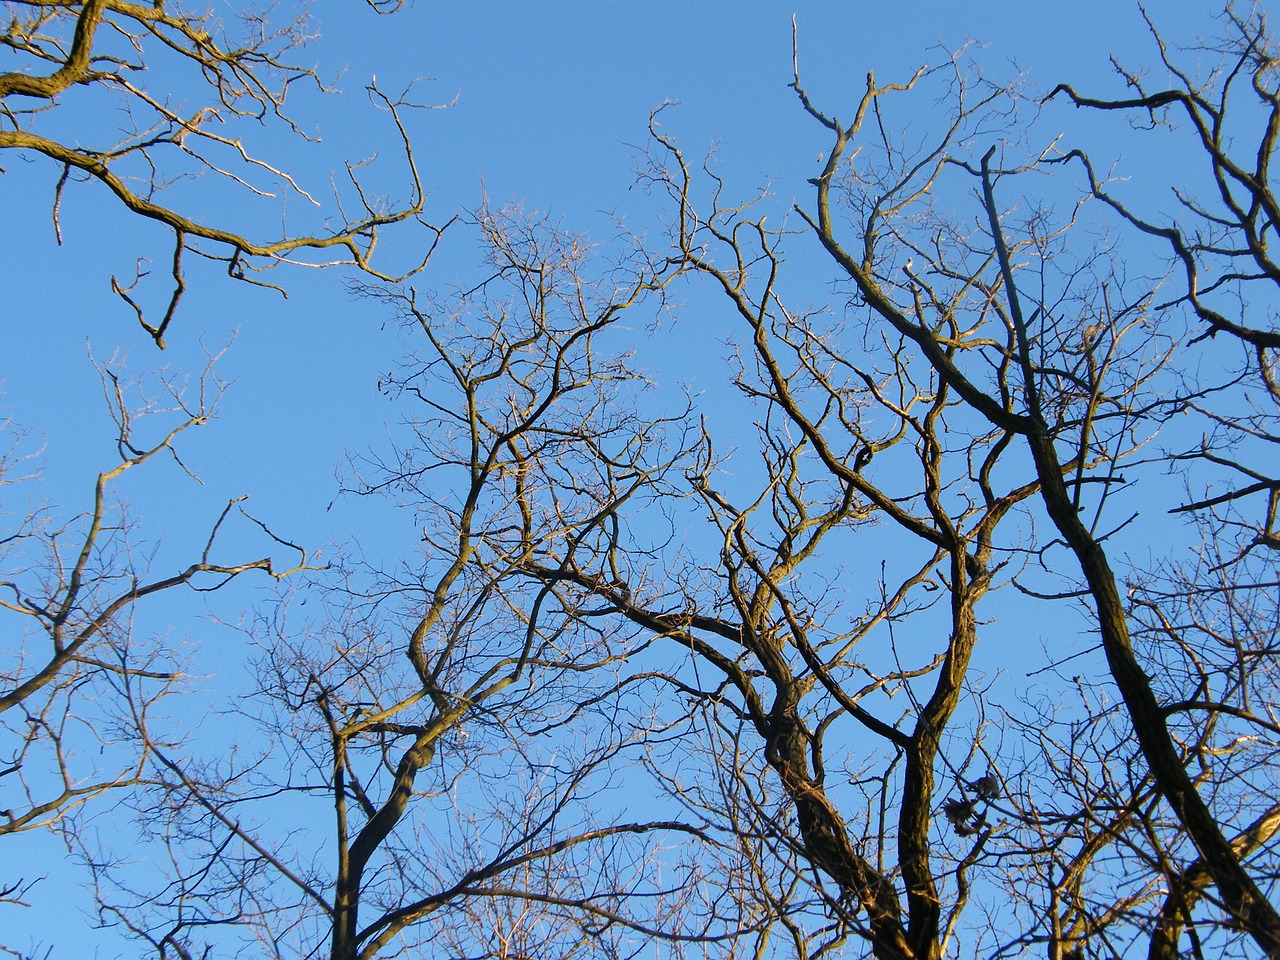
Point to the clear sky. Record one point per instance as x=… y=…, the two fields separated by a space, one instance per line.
x=550 y=103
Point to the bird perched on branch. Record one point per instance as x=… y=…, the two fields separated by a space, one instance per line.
x=964 y=817
x=958 y=811
x=971 y=827
x=987 y=787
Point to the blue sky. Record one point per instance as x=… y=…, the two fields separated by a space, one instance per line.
x=552 y=102
x=551 y=107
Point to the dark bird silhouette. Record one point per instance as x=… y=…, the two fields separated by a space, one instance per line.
x=987 y=788
x=969 y=827
x=958 y=811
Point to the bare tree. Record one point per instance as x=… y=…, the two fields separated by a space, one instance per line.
x=444 y=745
x=1029 y=371
x=78 y=682
x=1210 y=619
x=98 y=53
x=1019 y=376
x=788 y=607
